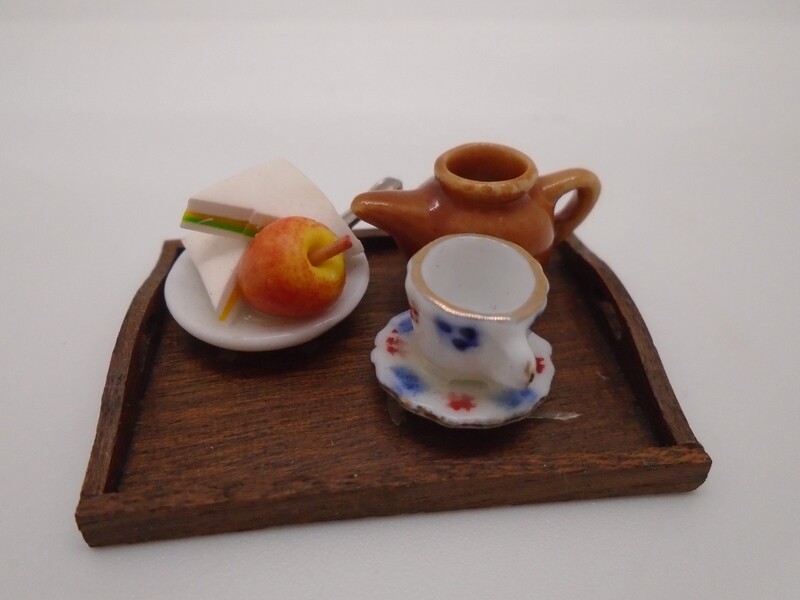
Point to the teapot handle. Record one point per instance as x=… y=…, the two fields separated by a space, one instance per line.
x=586 y=186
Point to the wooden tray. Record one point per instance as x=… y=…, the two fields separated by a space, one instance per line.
x=195 y=440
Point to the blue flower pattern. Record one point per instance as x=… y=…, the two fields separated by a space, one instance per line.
x=408 y=381
x=511 y=398
x=462 y=338
x=405 y=326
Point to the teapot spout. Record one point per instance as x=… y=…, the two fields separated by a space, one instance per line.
x=402 y=214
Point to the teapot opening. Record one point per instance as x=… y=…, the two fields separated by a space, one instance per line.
x=482 y=165
x=485 y=171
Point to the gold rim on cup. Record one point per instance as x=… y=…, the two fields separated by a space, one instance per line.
x=530 y=308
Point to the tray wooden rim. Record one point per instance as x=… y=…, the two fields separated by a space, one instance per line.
x=656 y=468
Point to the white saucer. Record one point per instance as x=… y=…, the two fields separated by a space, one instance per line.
x=426 y=390
x=251 y=330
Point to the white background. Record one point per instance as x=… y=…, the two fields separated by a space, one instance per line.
x=112 y=114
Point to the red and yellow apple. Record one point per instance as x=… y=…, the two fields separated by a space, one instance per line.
x=294 y=267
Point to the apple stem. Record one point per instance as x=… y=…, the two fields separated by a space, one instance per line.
x=337 y=246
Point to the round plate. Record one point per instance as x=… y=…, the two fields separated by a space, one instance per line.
x=252 y=330
x=424 y=389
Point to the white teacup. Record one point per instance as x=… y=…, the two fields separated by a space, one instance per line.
x=473 y=299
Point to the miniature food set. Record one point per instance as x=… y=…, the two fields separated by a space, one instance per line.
x=278 y=264
x=228 y=215
x=201 y=433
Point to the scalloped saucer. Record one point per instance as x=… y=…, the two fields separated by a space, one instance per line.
x=428 y=391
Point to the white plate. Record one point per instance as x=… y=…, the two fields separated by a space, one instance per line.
x=252 y=330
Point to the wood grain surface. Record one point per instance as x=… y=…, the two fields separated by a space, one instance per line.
x=192 y=439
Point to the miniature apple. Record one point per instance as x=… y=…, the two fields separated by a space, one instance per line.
x=294 y=267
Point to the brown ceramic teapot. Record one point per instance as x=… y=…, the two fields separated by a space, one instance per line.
x=484 y=188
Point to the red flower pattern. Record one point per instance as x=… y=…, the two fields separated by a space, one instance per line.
x=395 y=344
x=460 y=401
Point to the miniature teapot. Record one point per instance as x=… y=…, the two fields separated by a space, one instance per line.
x=487 y=189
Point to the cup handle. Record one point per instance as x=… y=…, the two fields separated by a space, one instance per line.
x=586 y=186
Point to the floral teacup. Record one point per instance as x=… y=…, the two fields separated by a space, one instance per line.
x=473 y=299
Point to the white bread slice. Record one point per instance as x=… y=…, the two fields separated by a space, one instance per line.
x=216 y=258
x=245 y=203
